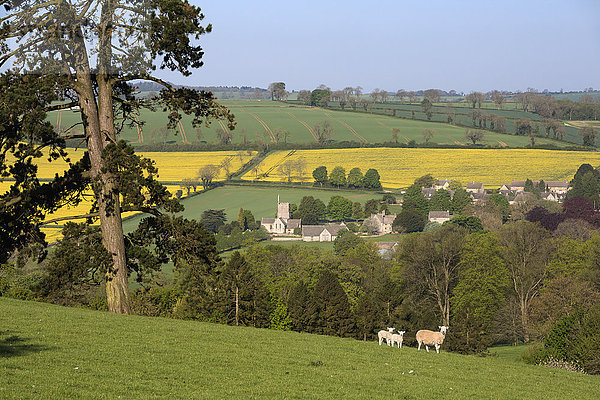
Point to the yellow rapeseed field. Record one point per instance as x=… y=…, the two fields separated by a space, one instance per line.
x=400 y=167
x=172 y=167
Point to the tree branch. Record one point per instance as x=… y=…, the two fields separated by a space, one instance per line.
x=82 y=216
x=146 y=78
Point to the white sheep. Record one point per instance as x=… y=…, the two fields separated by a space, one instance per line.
x=387 y=335
x=430 y=338
x=397 y=338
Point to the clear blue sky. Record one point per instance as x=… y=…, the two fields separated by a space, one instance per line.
x=461 y=45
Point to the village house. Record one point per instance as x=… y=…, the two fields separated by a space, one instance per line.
x=439 y=216
x=441 y=184
x=322 y=233
x=282 y=224
x=428 y=192
x=384 y=222
x=475 y=187
x=558 y=187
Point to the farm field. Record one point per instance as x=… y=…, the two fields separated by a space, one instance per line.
x=400 y=167
x=260 y=119
x=260 y=200
x=49 y=351
x=172 y=168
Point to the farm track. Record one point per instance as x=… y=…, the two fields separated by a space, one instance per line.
x=310 y=130
x=267 y=129
x=385 y=126
x=277 y=164
x=351 y=129
x=182 y=132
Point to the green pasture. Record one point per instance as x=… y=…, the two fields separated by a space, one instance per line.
x=52 y=352
x=260 y=119
x=262 y=201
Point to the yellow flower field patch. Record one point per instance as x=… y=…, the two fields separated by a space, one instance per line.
x=400 y=167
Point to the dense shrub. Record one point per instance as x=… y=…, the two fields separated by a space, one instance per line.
x=574 y=341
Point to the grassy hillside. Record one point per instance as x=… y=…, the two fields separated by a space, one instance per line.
x=48 y=352
x=261 y=118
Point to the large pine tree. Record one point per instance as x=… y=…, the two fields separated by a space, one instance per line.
x=85 y=54
x=329 y=309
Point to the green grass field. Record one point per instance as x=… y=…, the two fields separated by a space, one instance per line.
x=51 y=352
x=259 y=119
x=262 y=201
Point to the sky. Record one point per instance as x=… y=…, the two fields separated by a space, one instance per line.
x=461 y=45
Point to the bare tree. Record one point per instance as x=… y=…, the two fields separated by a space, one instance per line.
x=527 y=249
x=432 y=95
x=428 y=134
x=324 y=131
x=412 y=96
x=474 y=135
x=304 y=96
x=226 y=165
x=286 y=169
x=400 y=94
x=207 y=174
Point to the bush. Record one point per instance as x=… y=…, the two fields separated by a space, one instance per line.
x=573 y=343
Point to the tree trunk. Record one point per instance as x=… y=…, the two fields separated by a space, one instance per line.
x=524 y=321
x=237 y=306
x=98 y=121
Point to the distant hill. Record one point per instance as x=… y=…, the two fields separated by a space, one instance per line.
x=222 y=92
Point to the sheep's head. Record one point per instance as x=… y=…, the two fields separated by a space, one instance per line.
x=401 y=332
x=391 y=330
x=443 y=329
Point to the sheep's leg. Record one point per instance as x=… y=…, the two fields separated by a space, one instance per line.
x=419 y=346
x=427 y=348
x=437 y=348
x=380 y=340
x=400 y=345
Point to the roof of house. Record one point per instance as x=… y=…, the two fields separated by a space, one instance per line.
x=385 y=218
x=312 y=230
x=442 y=182
x=316 y=230
x=267 y=220
x=439 y=214
x=428 y=192
x=475 y=185
x=293 y=223
x=386 y=245
x=479 y=196
x=557 y=184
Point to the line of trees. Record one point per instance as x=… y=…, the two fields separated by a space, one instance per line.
x=354 y=178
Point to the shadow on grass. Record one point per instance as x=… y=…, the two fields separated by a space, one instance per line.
x=13 y=345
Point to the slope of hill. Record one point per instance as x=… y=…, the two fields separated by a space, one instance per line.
x=264 y=120
x=48 y=351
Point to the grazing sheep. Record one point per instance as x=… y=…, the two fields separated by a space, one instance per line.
x=430 y=338
x=397 y=338
x=387 y=335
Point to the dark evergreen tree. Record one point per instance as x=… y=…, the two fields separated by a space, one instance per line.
x=371 y=207
x=298 y=304
x=414 y=199
x=460 y=200
x=213 y=219
x=357 y=211
x=409 y=221
x=329 y=308
x=440 y=201
x=237 y=289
